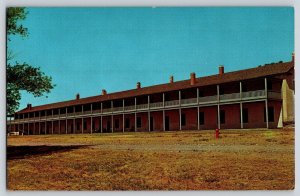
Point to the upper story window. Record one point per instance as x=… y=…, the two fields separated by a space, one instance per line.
x=201 y=94
x=269 y=85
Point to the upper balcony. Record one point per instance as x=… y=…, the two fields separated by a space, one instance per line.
x=256 y=95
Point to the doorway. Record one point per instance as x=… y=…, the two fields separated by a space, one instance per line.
x=167 y=123
x=151 y=123
x=108 y=126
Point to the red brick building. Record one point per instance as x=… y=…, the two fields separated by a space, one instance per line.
x=250 y=98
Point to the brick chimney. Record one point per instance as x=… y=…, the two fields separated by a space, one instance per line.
x=29 y=106
x=193 y=78
x=104 y=92
x=77 y=96
x=138 y=85
x=171 y=79
x=221 y=69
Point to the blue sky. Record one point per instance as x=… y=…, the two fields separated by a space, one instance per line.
x=89 y=49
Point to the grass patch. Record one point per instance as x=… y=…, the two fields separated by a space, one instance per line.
x=185 y=160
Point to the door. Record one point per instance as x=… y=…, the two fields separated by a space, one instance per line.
x=151 y=123
x=108 y=126
x=167 y=123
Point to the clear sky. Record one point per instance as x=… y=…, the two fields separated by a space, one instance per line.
x=89 y=49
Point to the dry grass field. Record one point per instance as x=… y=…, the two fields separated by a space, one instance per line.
x=186 y=160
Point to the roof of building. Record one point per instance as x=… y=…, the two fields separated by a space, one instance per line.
x=257 y=72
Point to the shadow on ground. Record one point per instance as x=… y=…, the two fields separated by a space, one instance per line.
x=20 y=152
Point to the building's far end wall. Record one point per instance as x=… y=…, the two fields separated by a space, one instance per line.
x=288 y=102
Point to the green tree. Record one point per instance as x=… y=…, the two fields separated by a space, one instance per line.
x=22 y=76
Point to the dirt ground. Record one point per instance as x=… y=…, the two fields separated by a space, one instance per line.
x=186 y=160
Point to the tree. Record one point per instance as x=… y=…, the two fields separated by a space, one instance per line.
x=22 y=76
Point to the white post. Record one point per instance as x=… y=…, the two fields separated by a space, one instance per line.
x=198 y=117
x=123 y=116
x=101 y=129
x=52 y=123
x=241 y=106
x=180 y=126
x=266 y=103
x=112 y=117
x=218 y=95
x=74 y=120
x=33 y=122
x=149 y=121
x=135 y=124
x=66 y=120
x=82 y=120
x=59 y=121
x=28 y=128
x=45 y=122
x=91 y=118
x=164 y=124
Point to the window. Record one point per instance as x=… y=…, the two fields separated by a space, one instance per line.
x=138 y=122
x=183 y=120
x=244 y=88
x=201 y=94
x=127 y=123
x=269 y=85
x=222 y=116
x=183 y=96
x=201 y=118
x=116 y=123
x=245 y=115
x=270 y=114
x=221 y=91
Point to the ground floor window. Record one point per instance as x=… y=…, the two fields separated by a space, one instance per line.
x=78 y=126
x=139 y=122
x=201 y=118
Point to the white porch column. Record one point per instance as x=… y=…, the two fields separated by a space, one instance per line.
x=28 y=126
x=33 y=122
x=112 y=116
x=123 y=116
x=82 y=120
x=52 y=123
x=179 y=96
x=66 y=120
x=241 y=105
x=164 y=117
x=149 y=113
x=266 y=103
x=92 y=118
x=198 y=117
x=135 y=124
x=45 y=122
x=74 y=123
x=59 y=121
x=101 y=129
x=218 y=95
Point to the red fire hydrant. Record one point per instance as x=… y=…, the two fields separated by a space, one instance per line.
x=217 y=133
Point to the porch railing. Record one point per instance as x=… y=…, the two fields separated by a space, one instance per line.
x=249 y=95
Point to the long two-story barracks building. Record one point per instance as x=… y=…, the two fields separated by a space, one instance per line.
x=260 y=97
